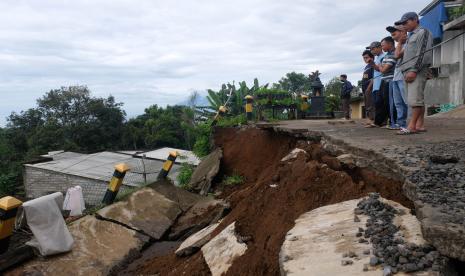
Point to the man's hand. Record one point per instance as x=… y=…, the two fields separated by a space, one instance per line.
x=410 y=77
x=403 y=39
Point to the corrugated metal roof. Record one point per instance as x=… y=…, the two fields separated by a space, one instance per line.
x=100 y=166
x=185 y=156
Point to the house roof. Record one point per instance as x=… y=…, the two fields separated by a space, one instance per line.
x=100 y=166
x=184 y=156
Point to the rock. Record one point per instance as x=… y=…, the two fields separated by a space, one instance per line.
x=366 y=251
x=196 y=241
x=356 y=219
x=374 y=261
x=144 y=210
x=348 y=160
x=184 y=198
x=447 y=237
x=346 y=262
x=220 y=252
x=99 y=247
x=444 y=159
x=387 y=271
x=293 y=155
x=200 y=215
x=332 y=162
x=203 y=175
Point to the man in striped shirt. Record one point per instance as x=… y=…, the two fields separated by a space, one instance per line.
x=417 y=58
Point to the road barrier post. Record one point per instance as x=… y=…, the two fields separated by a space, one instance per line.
x=8 y=209
x=115 y=183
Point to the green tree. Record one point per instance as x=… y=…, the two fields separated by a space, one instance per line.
x=294 y=82
x=333 y=94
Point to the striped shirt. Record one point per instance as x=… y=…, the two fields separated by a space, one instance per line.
x=389 y=60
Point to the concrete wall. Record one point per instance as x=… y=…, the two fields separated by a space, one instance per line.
x=39 y=182
x=448 y=87
x=357 y=109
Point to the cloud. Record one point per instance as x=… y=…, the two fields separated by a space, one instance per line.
x=155 y=52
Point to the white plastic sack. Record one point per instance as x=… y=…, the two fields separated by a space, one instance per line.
x=43 y=215
x=74 y=201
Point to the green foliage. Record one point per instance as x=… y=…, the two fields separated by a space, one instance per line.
x=203 y=135
x=455 y=12
x=233 y=121
x=333 y=94
x=234 y=179
x=294 y=82
x=8 y=184
x=185 y=174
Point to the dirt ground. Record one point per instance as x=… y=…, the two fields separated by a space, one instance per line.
x=274 y=195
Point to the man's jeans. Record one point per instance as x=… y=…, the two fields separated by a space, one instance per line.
x=399 y=101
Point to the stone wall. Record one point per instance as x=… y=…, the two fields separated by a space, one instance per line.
x=39 y=182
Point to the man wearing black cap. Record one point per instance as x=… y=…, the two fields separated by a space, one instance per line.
x=417 y=58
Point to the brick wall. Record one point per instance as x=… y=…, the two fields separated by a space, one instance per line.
x=39 y=182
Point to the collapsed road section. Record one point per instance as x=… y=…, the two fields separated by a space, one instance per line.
x=289 y=171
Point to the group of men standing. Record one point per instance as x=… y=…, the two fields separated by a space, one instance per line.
x=395 y=77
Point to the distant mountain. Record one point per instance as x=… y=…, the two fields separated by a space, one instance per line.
x=201 y=101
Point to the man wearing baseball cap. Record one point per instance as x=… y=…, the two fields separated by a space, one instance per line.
x=397 y=95
x=416 y=60
x=381 y=112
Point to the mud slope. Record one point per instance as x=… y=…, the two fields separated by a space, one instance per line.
x=274 y=195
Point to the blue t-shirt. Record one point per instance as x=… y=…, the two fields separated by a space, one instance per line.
x=377 y=74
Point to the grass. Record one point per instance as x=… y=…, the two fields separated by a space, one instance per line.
x=185 y=175
x=234 y=179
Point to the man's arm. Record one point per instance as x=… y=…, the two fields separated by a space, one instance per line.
x=399 y=52
x=422 y=42
x=370 y=86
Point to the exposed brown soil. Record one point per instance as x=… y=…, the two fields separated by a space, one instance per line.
x=264 y=213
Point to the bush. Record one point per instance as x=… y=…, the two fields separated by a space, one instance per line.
x=202 y=142
x=234 y=179
x=7 y=184
x=185 y=174
x=232 y=121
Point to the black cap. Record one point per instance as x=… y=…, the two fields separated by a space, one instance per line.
x=391 y=29
x=407 y=16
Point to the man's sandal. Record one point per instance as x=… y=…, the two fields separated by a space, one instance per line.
x=405 y=131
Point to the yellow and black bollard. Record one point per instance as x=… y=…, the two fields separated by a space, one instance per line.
x=8 y=209
x=221 y=111
x=168 y=165
x=249 y=107
x=115 y=183
x=304 y=105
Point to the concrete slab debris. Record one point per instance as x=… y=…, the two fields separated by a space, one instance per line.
x=220 y=252
x=99 y=246
x=144 y=210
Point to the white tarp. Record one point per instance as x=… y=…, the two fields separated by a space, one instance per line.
x=74 y=201
x=44 y=217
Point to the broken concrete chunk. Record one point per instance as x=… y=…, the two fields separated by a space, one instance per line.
x=347 y=159
x=293 y=155
x=203 y=175
x=99 y=246
x=220 y=252
x=196 y=241
x=202 y=214
x=144 y=210
x=327 y=232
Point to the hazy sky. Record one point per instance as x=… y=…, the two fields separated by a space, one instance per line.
x=157 y=52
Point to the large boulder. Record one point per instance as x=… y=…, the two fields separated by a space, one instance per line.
x=205 y=172
x=220 y=252
x=145 y=210
x=99 y=247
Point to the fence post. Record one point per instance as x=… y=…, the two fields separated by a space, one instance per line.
x=167 y=165
x=249 y=107
x=221 y=112
x=8 y=209
x=115 y=183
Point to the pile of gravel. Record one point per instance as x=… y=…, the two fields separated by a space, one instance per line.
x=389 y=249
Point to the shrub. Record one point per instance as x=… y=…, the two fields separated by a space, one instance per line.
x=185 y=174
x=234 y=179
x=7 y=184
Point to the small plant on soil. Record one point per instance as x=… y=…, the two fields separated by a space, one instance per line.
x=185 y=174
x=234 y=179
